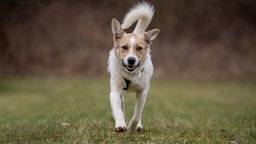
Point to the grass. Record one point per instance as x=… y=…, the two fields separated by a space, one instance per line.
x=63 y=110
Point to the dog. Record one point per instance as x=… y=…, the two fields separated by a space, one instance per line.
x=130 y=64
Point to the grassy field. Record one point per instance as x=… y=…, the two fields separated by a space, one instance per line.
x=77 y=110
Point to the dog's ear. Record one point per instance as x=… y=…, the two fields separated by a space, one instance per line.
x=116 y=29
x=151 y=35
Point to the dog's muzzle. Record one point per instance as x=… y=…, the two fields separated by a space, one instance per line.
x=131 y=65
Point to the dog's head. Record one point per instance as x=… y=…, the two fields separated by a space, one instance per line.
x=131 y=48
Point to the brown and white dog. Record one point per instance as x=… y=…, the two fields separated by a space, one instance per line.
x=130 y=64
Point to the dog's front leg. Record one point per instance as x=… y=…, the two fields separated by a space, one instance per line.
x=117 y=109
x=135 y=123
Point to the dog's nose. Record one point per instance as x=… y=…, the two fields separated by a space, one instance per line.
x=131 y=60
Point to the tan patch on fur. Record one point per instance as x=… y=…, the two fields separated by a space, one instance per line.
x=120 y=45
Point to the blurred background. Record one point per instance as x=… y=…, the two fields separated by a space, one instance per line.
x=199 y=39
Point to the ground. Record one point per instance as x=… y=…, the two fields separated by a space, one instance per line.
x=77 y=110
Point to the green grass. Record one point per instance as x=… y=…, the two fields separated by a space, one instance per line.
x=62 y=110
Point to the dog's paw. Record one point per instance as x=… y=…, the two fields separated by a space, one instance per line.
x=134 y=126
x=120 y=129
x=138 y=129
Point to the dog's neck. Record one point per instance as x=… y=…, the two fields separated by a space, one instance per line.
x=128 y=81
x=131 y=75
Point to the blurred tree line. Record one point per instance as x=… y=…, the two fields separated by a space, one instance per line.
x=200 y=39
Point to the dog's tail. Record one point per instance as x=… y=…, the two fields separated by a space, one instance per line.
x=143 y=12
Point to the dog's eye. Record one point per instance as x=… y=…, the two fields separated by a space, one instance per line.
x=124 y=47
x=139 y=48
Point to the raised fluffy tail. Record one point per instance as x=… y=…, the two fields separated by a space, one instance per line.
x=143 y=12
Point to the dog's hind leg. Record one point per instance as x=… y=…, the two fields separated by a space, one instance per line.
x=135 y=123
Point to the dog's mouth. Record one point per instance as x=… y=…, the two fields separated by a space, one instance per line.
x=131 y=68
